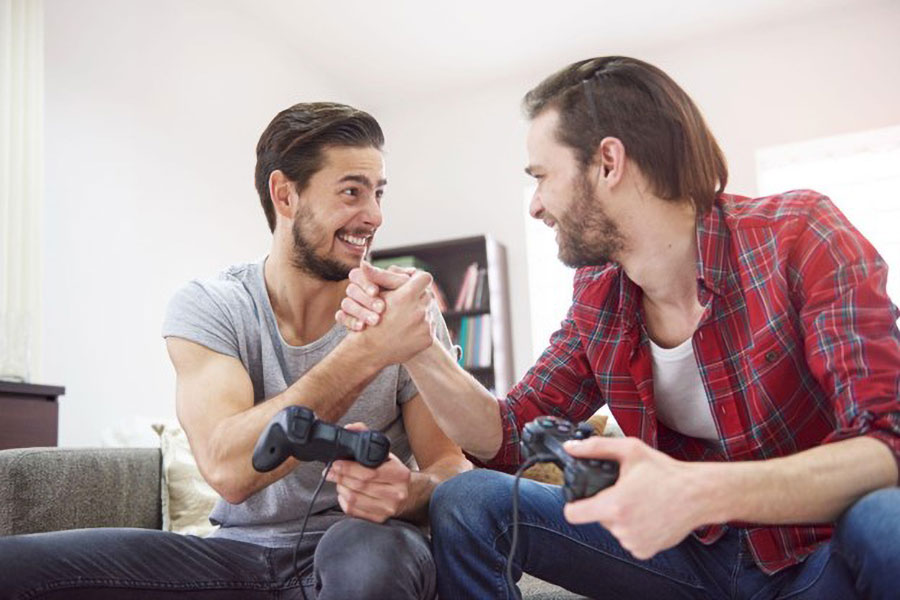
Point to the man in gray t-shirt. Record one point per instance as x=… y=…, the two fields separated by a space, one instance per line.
x=256 y=339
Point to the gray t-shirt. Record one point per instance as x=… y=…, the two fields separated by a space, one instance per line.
x=232 y=315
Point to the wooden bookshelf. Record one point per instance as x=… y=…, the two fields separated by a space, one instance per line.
x=447 y=261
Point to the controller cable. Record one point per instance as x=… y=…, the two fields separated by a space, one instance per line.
x=515 y=517
x=312 y=502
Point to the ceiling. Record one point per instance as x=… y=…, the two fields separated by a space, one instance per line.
x=375 y=50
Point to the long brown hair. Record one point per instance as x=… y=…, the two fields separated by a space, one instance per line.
x=658 y=123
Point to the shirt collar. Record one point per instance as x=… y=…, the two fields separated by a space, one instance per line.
x=712 y=248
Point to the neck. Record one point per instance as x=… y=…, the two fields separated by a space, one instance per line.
x=304 y=305
x=661 y=257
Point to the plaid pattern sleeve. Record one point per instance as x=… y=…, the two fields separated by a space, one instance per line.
x=849 y=325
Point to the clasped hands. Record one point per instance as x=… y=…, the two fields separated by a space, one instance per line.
x=655 y=503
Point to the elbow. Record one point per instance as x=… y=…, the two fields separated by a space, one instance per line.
x=224 y=484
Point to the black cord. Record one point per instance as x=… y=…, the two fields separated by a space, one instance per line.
x=515 y=520
x=297 y=572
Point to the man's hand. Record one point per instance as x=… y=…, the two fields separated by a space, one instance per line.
x=407 y=326
x=372 y=494
x=652 y=507
x=364 y=303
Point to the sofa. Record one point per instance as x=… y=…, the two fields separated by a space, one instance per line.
x=51 y=489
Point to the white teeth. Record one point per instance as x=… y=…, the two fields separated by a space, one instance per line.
x=352 y=239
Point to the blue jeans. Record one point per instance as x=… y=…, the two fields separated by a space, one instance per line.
x=353 y=559
x=471 y=518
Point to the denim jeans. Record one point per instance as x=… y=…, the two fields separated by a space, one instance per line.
x=471 y=518
x=353 y=559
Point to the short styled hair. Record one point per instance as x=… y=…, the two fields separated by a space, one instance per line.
x=658 y=123
x=295 y=139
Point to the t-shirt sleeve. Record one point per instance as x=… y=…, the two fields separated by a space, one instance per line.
x=406 y=389
x=195 y=315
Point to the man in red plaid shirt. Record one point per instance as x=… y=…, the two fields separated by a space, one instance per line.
x=746 y=347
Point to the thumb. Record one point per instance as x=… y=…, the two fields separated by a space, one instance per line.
x=599 y=447
x=384 y=279
x=356 y=426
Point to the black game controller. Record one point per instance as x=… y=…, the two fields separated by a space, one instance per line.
x=582 y=477
x=295 y=431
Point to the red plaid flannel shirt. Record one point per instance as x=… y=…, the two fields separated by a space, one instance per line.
x=799 y=347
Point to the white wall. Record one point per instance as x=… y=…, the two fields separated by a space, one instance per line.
x=153 y=110
x=455 y=164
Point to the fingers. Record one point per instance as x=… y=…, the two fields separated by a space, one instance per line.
x=357 y=426
x=373 y=494
x=361 y=277
x=418 y=284
x=402 y=270
x=374 y=304
x=347 y=321
x=601 y=508
x=351 y=507
x=375 y=277
x=359 y=314
x=602 y=447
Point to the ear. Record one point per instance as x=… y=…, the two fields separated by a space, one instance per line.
x=281 y=190
x=609 y=161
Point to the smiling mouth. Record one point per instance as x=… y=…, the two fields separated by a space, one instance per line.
x=357 y=241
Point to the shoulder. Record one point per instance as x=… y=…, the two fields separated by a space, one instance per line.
x=791 y=210
x=228 y=291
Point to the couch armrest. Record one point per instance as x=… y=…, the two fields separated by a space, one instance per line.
x=50 y=489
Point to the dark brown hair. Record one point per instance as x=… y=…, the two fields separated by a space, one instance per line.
x=295 y=139
x=659 y=125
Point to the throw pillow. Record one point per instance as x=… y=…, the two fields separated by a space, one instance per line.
x=187 y=499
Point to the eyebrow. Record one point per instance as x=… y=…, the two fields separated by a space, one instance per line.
x=362 y=180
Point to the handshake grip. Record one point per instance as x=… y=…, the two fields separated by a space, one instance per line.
x=296 y=431
x=582 y=477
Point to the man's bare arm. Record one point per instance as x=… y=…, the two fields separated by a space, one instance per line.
x=462 y=407
x=659 y=500
x=214 y=401
x=814 y=486
x=438 y=458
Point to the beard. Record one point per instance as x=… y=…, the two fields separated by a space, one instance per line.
x=304 y=256
x=587 y=236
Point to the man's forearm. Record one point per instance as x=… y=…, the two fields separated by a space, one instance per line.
x=814 y=486
x=329 y=389
x=463 y=409
x=422 y=484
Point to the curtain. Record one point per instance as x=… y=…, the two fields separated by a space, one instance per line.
x=21 y=183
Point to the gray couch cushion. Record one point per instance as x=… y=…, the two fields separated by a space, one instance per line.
x=536 y=589
x=50 y=489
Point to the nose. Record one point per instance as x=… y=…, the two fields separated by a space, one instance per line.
x=535 y=208
x=372 y=213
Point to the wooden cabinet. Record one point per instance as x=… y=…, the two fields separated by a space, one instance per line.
x=29 y=414
x=448 y=262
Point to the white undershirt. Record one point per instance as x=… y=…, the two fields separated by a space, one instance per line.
x=681 y=402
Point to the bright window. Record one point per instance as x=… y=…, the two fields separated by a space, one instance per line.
x=860 y=172
x=549 y=281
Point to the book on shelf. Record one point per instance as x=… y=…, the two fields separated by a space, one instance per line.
x=473 y=292
x=402 y=261
x=474 y=338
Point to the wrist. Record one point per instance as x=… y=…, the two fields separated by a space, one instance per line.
x=428 y=358
x=711 y=490
x=361 y=355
